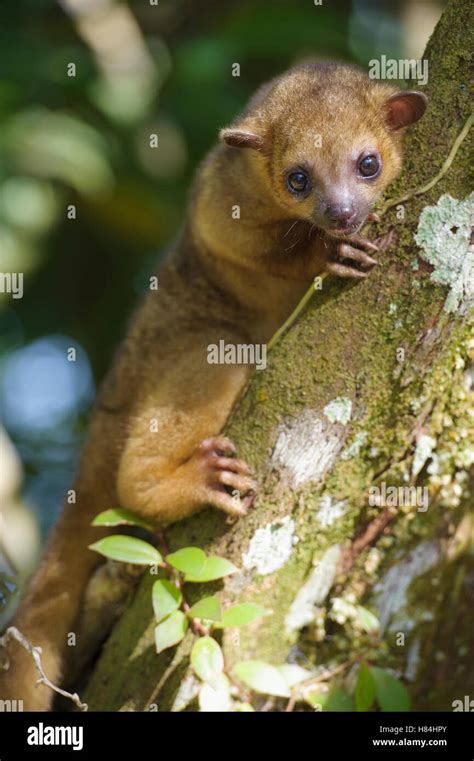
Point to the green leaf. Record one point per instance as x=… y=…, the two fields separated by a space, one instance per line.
x=207 y=660
x=391 y=694
x=241 y=615
x=213 y=568
x=217 y=698
x=189 y=560
x=294 y=674
x=128 y=549
x=208 y=608
x=335 y=699
x=170 y=631
x=60 y=146
x=166 y=598
x=315 y=698
x=338 y=700
x=364 y=689
x=262 y=677
x=367 y=620
x=119 y=517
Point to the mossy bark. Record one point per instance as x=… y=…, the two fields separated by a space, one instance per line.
x=347 y=344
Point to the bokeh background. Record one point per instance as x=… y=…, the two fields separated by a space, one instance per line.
x=87 y=206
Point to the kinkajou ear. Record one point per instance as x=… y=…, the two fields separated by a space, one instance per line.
x=247 y=132
x=405 y=108
x=240 y=138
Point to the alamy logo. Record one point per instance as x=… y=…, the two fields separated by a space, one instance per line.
x=237 y=354
x=12 y=282
x=402 y=68
x=399 y=496
x=463 y=705
x=11 y=706
x=45 y=735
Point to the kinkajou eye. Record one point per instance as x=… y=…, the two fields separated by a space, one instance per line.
x=298 y=182
x=369 y=166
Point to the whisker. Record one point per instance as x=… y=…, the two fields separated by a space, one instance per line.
x=292 y=245
x=291 y=228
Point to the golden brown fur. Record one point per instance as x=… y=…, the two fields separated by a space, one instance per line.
x=226 y=278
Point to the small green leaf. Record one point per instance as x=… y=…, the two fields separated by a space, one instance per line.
x=367 y=620
x=339 y=700
x=166 y=598
x=217 y=698
x=294 y=674
x=262 y=677
x=213 y=568
x=189 y=560
x=391 y=694
x=241 y=615
x=119 y=517
x=170 y=631
x=315 y=698
x=207 y=660
x=208 y=608
x=364 y=689
x=336 y=699
x=128 y=549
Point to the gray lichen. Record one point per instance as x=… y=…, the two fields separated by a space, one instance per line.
x=314 y=591
x=339 y=410
x=424 y=450
x=306 y=447
x=271 y=547
x=330 y=511
x=354 y=449
x=392 y=591
x=444 y=235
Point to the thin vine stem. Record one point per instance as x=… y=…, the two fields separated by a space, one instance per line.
x=198 y=628
x=447 y=164
x=295 y=313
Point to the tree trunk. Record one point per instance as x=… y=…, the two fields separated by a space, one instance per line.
x=397 y=363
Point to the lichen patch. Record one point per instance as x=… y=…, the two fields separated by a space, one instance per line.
x=339 y=410
x=392 y=591
x=271 y=547
x=424 y=450
x=306 y=447
x=329 y=512
x=444 y=235
x=314 y=591
x=354 y=449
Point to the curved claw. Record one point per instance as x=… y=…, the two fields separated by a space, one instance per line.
x=346 y=251
x=219 y=444
x=342 y=271
x=362 y=242
x=221 y=472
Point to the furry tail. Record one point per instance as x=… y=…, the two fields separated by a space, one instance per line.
x=49 y=611
x=48 y=615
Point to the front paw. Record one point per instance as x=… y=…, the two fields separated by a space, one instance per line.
x=227 y=480
x=350 y=259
